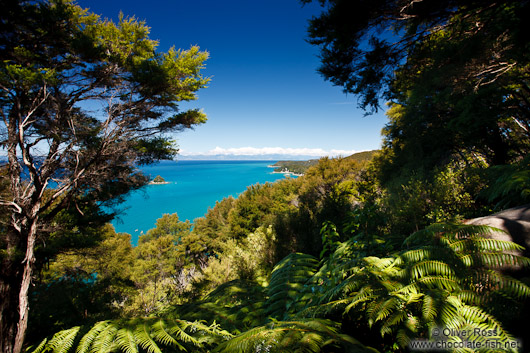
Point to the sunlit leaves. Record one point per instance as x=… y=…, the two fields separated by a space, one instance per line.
x=293 y=336
x=143 y=334
x=447 y=277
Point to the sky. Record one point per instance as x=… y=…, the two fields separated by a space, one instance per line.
x=265 y=96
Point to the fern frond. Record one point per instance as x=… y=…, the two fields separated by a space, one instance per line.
x=429 y=310
x=395 y=319
x=448 y=312
x=513 y=287
x=431 y=267
x=462 y=231
x=126 y=340
x=143 y=334
x=323 y=309
x=161 y=333
x=364 y=295
x=105 y=340
x=144 y=339
x=63 y=341
x=178 y=330
x=494 y=260
x=40 y=348
x=387 y=307
x=88 y=339
x=287 y=283
x=448 y=283
x=403 y=337
x=292 y=336
x=485 y=244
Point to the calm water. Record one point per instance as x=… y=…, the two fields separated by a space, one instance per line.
x=194 y=187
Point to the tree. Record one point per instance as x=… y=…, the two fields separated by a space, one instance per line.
x=443 y=276
x=83 y=285
x=83 y=101
x=155 y=274
x=363 y=42
x=434 y=94
x=168 y=224
x=455 y=73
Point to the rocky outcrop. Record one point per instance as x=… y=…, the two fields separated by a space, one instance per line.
x=515 y=222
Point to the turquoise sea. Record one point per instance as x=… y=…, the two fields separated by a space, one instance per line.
x=193 y=187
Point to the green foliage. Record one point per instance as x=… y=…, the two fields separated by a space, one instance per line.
x=236 y=305
x=168 y=224
x=251 y=258
x=83 y=285
x=154 y=271
x=209 y=234
x=57 y=61
x=509 y=184
x=416 y=200
x=447 y=276
x=330 y=238
x=159 y=180
x=158 y=268
x=251 y=209
x=112 y=279
x=383 y=293
x=309 y=335
x=286 y=283
x=296 y=167
x=142 y=334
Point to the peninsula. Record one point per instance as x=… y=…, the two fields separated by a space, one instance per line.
x=299 y=168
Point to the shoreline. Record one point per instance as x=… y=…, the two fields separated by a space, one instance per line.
x=285 y=171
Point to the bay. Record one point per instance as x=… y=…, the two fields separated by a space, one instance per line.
x=193 y=187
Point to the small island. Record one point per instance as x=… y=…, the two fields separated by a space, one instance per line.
x=158 y=180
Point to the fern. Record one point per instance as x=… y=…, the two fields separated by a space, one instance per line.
x=144 y=339
x=143 y=334
x=89 y=338
x=287 y=284
x=293 y=336
x=236 y=305
x=126 y=340
x=446 y=278
x=63 y=341
x=509 y=184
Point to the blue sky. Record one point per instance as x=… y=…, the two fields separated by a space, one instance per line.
x=265 y=95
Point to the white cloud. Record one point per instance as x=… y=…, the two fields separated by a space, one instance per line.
x=254 y=151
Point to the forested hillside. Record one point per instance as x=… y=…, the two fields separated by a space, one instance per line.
x=300 y=167
x=330 y=259
x=356 y=255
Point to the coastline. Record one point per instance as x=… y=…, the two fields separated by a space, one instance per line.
x=194 y=187
x=287 y=172
x=284 y=171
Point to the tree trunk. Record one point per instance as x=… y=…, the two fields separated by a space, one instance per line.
x=23 y=297
x=10 y=279
x=8 y=317
x=15 y=280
